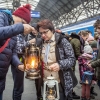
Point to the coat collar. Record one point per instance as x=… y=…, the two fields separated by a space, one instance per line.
x=57 y=37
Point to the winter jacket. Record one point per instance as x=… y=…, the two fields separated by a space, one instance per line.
x=8 y=55
x=96 y=64
x=75 y=42
x=21 y=44
x=76 y=47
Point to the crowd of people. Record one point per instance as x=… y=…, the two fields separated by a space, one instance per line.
x=59 y=53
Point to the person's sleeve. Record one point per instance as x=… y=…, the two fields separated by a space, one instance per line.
x=10 y=31
x=38 y=41
x=69 y=59
x=95 y=63
x=26 y=44
x=15 y=60
x=76 y=46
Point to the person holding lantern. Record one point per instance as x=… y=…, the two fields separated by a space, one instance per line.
x=57 y=57
x=8 y=39
x=22 y=14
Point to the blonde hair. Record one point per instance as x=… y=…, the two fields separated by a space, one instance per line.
x=84 y=33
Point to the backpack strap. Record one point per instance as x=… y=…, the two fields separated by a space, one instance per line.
x=4 y=46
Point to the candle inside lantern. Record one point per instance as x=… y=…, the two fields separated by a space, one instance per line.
x=51 y=91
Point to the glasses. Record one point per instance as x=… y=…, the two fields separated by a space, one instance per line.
x=45 y=32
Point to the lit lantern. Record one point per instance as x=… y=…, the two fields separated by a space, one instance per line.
x=51 y=89
x=32 y=62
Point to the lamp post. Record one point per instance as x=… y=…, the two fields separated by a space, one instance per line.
x=16 y=4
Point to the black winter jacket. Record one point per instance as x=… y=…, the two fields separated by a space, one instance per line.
x=66 y=59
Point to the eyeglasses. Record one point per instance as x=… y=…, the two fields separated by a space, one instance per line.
x=45 y=32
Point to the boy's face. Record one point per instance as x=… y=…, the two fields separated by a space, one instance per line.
x=98 y=29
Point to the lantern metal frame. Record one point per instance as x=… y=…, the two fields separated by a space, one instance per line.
x=51 y=83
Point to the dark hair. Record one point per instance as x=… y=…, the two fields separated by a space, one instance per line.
x=74 y=35
x=97 y=23
x=45 y=24
x=34 y=25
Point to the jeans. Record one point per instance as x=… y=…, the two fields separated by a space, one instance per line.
x=1 y=96
x=18 y=78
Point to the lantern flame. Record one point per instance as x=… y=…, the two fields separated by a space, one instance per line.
x=33 y=63
x=51 y=91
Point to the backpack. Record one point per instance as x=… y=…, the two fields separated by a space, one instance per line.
x=9 y=15
x=10 y=19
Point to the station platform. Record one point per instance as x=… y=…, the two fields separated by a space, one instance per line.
x=29 y=88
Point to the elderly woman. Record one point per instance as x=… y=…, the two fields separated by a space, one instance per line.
x=58 y=58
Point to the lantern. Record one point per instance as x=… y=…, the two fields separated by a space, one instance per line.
x=32 y=62
x=51 y=89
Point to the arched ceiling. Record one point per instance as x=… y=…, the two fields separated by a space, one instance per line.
x=8 y=3
x=61 y=12
x=54 y=8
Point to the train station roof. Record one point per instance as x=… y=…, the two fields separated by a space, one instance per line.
x=61 y=12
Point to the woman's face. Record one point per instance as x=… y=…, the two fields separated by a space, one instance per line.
x=46 y=34
x=85 y=37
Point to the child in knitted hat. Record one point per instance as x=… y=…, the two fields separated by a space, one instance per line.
x=83 y=67
x=87 y=51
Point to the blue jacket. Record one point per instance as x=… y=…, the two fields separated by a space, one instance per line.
x=8 y=56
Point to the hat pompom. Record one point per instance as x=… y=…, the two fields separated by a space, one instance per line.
x=28 y=6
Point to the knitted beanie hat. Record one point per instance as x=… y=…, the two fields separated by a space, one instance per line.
x=24 y=13
x=87 y=48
